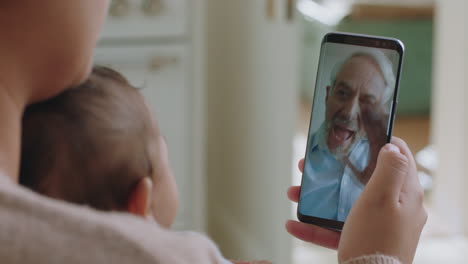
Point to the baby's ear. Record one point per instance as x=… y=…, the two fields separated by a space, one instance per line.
x=139 y=200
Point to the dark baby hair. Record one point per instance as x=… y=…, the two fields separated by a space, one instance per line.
x=88 y=145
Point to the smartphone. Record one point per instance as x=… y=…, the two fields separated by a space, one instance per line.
x=353 y=109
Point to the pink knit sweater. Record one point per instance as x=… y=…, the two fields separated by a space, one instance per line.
x=35 y=229
x=373 y=259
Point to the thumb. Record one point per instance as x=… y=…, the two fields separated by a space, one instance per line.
x=390 y=173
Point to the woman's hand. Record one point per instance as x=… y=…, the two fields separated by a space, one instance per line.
x=307 y=232
x=389 y=215
x=387 y=218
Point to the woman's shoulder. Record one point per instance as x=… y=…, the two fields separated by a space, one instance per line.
x=36 y=229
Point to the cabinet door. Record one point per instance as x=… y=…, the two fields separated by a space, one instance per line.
x=146 y=18
x=161 y=73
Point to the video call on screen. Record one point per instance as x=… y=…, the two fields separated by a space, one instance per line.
x=349 y=124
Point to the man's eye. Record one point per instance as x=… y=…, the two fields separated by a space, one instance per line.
x=368 y=101
x=342 y=93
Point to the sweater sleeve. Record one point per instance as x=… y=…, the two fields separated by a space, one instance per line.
x=39 y=230
x=373 y=259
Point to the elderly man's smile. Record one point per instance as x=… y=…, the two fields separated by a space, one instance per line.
x=340 y=136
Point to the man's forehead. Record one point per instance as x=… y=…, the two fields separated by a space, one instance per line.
x=361 y=72
x=361 y=63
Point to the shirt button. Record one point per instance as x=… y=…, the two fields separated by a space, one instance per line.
x=342 y=210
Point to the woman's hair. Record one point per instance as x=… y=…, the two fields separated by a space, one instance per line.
x=88 y=145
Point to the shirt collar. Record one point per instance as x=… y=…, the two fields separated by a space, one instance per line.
x=318 y=140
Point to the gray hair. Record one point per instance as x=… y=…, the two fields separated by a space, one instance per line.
x=385 y=66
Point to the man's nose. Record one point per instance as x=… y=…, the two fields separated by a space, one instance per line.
x=350 y=111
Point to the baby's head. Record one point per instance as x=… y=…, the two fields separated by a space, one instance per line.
x=98 y=145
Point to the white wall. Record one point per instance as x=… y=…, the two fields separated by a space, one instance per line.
x=450 y=114
x=252 y=86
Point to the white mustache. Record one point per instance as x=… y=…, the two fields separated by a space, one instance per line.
x=348 y=124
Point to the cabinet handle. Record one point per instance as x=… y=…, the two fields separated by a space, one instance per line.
x=152 y=7
x=157 y=63
x=290 y=9
x=119 y=8
x=270 y=9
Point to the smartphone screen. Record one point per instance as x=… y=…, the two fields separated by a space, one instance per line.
x=352 y=116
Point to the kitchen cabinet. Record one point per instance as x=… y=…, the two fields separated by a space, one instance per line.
x=157 y=51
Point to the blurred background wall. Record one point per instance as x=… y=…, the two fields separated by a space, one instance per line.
x=252 y=98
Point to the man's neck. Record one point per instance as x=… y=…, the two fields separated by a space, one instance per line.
x=11 y=111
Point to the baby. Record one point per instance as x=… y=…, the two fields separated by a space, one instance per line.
x=98 y=145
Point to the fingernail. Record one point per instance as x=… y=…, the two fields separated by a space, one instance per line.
x=393 y=148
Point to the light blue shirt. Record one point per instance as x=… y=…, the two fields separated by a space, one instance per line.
x=329 y=187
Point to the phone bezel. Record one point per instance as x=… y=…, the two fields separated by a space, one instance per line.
x=364 y=41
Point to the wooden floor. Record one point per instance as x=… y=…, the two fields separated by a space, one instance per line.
x=414 y=130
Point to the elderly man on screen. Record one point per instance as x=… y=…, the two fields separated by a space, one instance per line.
x=342 y=153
